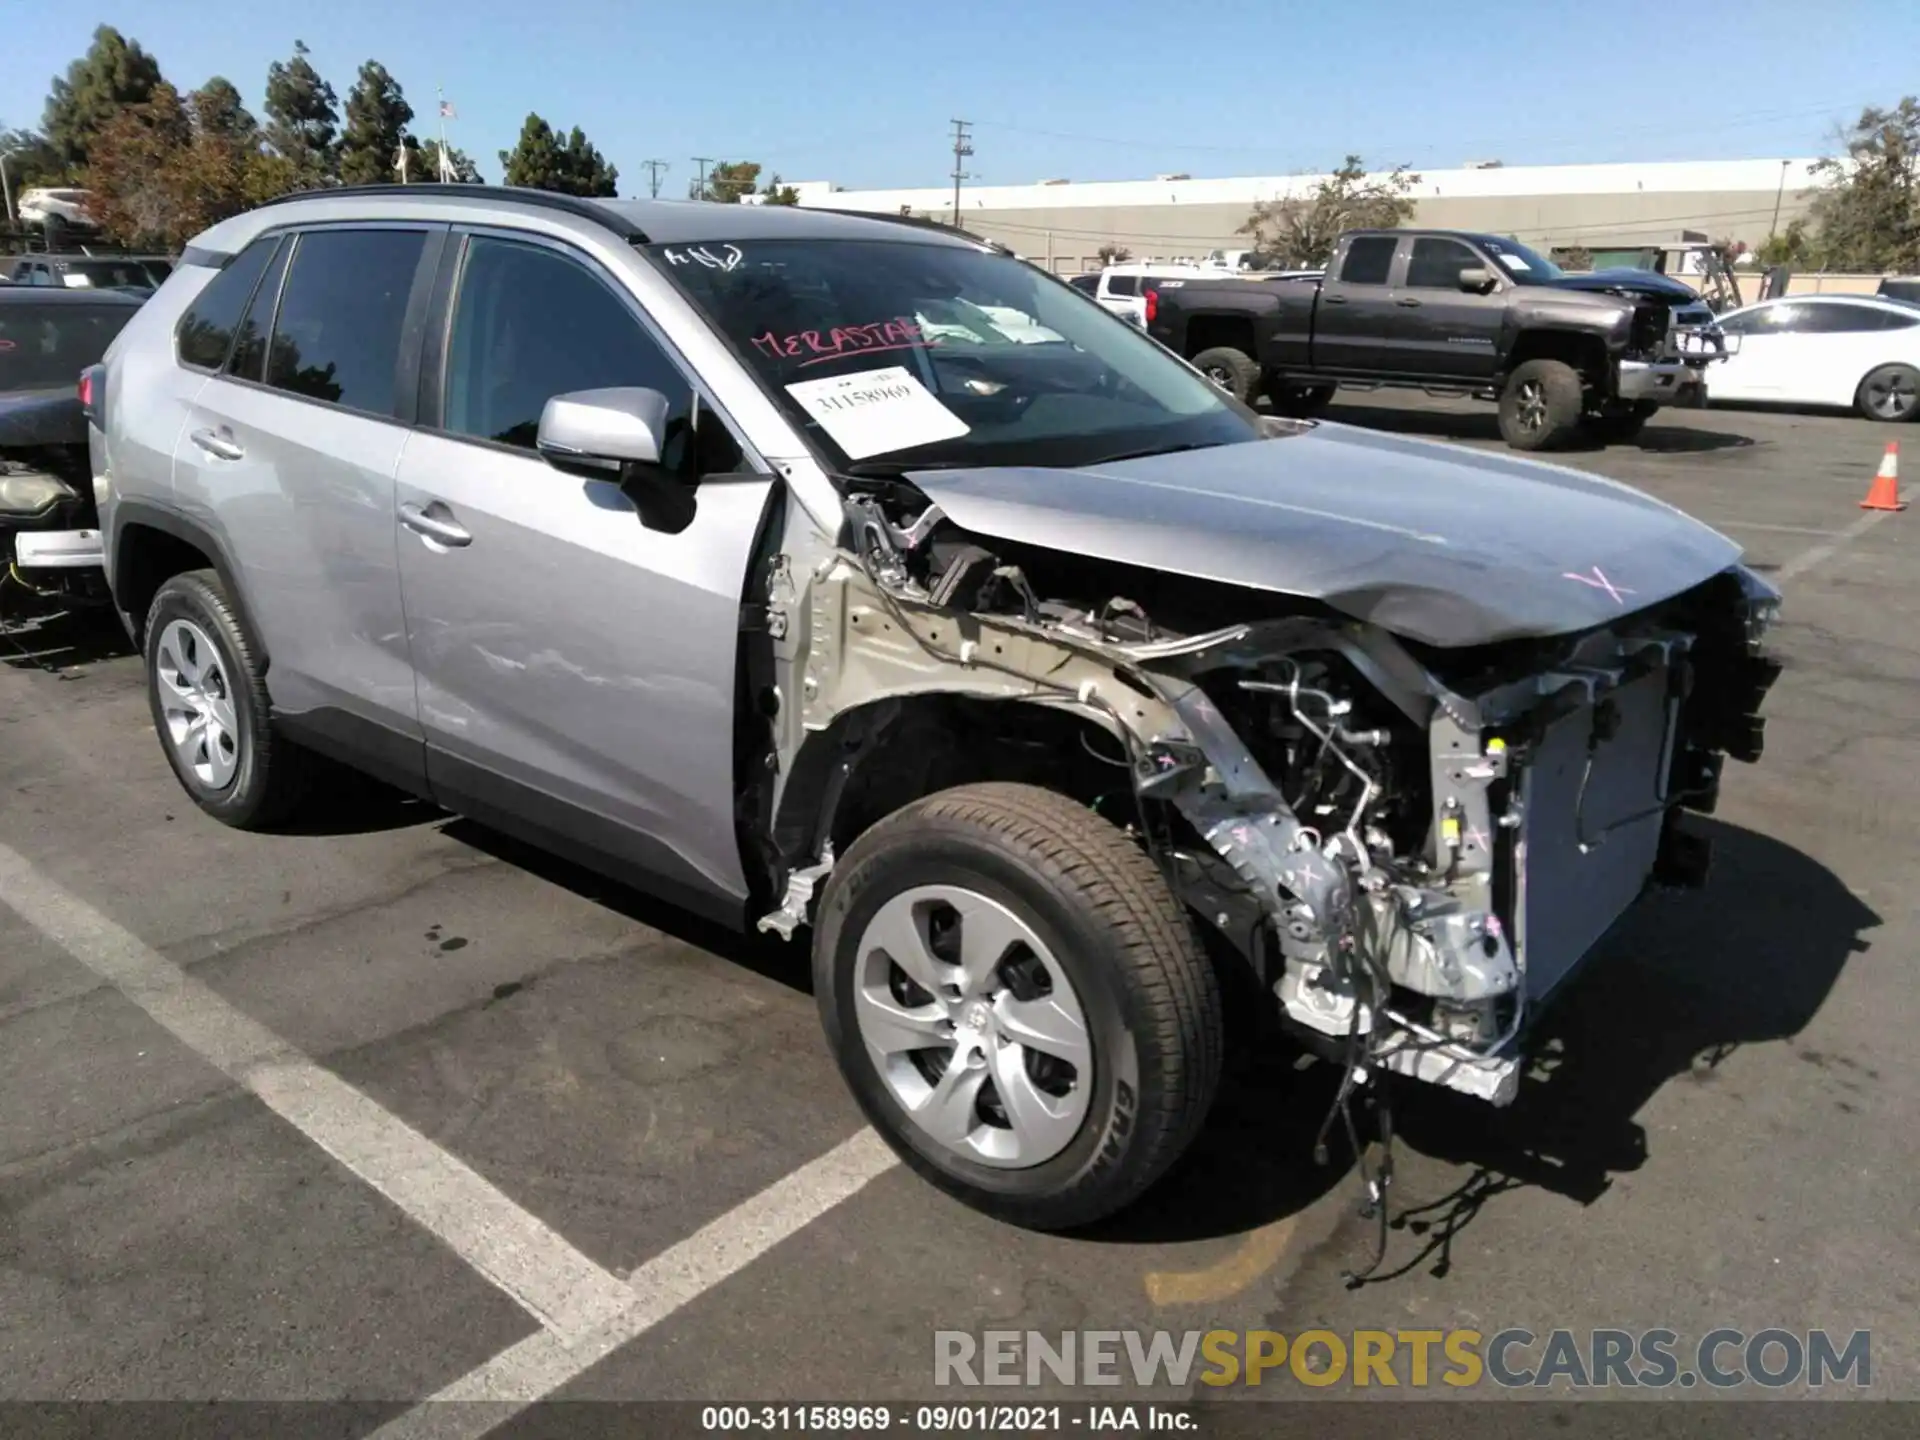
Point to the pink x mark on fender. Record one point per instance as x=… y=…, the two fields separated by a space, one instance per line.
x=1598 y=580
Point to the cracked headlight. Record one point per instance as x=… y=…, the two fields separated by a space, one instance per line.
x=30 y=494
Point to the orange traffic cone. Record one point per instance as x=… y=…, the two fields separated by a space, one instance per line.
x=1884 y=493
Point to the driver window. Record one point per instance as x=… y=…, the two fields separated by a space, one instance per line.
x=530 y=323
x=1436 y=263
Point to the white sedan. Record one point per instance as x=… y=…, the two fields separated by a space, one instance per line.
x=1860 y=351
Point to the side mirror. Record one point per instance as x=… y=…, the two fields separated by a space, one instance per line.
x=603 y=430
x=619 y=434
x=1476 y=278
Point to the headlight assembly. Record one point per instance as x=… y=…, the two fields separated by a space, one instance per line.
x=29 y=494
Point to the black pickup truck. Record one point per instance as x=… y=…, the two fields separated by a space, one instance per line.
x=1453 y=313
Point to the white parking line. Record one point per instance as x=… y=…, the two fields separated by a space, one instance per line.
x=1820 y=554
x=585 y=1312
x=539 y=1365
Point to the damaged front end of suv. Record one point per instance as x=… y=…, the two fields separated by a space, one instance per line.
x=1409 y=828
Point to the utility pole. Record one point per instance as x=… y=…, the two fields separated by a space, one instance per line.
x=962 y=148
x=1779 y=190
x=654 y=167
x=700 y=192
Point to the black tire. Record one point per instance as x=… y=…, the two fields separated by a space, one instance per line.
x=271 y=776
x=1541 y=407
x=1150 y=997
x=1234 y=371
x=1302 y=402
x=1890 y=393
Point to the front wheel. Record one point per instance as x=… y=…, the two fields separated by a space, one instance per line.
x=1541 y=406
x=1018 y=1003
x=1891 y=392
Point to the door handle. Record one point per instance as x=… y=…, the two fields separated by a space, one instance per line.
x=219 y=445
x=434 y=527
x=1406 y=300
x=1333 y=299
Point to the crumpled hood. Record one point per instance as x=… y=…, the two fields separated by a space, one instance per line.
x=1434 y=543
x=1626 y=280
x=41 y=417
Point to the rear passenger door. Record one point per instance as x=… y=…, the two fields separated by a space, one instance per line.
x=576 y=668
x=289 y=452
x=1355 y=312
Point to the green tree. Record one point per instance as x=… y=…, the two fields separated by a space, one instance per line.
x=1867 y=209
x=540 y=160
x=219 y=110
x=1792 y=246
x=31 y=160
x=779 y=194
x=728 y=181
x=114 y=74
x=303 y=116
x=377 y=116
x=1301 y=230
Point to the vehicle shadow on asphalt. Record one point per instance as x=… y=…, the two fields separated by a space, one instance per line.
x=1686 y=981
x=1484 y=425
x=37 y=634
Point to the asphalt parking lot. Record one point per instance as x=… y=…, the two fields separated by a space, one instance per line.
x=395 y=1108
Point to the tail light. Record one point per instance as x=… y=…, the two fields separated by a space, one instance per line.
x=92 y=392
x=1153 y=305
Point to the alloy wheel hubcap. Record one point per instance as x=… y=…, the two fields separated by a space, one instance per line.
x=196 y=704
x=973 y=1026
x=1221 y=377
x=1893 y=396
x=1532 y=406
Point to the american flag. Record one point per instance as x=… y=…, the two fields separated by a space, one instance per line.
x=446 y=110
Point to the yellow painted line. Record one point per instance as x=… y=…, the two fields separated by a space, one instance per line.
x=1257 y=1254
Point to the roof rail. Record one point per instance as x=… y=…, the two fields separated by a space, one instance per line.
x=581 y=205
x=919 y=222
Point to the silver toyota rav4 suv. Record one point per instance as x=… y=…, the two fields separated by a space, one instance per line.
x=851 y=576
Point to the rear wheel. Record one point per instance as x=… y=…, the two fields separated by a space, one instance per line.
x=1541 y=406
x=1234 y=371
x=1018 y=1003
x=208 y=694
x=1890 y=393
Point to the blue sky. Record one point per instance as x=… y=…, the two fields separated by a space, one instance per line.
x=862 y=91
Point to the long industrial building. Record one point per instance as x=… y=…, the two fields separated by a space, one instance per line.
x=1063 y=224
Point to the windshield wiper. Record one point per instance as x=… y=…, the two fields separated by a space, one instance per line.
x=889 y=469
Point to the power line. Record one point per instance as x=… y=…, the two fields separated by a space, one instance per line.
x=961 y=149
x=653 y=169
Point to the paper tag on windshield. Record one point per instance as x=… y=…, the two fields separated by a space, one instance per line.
x=877 y=411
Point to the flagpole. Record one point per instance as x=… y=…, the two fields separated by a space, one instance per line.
x=441 y=95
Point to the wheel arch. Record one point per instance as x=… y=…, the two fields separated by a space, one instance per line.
x=152 y=544
x=1585 y=352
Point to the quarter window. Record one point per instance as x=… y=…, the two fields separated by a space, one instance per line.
x=336 y=336
x=1123 y=285
x=529 y=324
x=1369 y=260
x=250 y=345
x=206 y=330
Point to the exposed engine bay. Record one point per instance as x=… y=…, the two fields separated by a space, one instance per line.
x=1412 y=847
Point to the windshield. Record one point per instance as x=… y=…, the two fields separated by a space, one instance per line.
x=899 y=354
x=1527 y=267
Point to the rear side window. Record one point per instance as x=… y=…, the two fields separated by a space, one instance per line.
x=337 y=334
x=45 y=347
x=250 y=342
x=1369 y=260
x=1123 y=285
x=206 y=330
